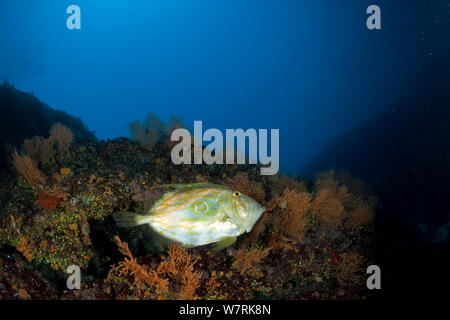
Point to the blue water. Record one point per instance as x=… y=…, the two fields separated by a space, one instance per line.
x=310 y=68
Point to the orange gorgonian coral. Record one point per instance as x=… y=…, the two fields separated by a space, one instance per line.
x=33 y=147
x=348 y=269
x=292 y=216
x=361 y=215
x=329 y=208
x=342 y=200
x=28 y=169
x=331 y=199
x=143 y=275
x=173 y=124
x=147 y=132
x=62 y=136
x=40 y=149
x=248 y=261
x=326 y=180
x=277 y=241
x=242 y=183
x=284 y=183
x=178 y=267
x=356 y=186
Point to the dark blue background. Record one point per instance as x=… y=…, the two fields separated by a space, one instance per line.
x=309 y=68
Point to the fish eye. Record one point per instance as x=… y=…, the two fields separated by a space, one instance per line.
x=200 y=207
x=236 y=194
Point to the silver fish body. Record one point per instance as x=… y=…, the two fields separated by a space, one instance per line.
x=198 y=214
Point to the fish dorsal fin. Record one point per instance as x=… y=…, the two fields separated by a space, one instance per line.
x=153 y=195
x=184 y=185
x=148 y=204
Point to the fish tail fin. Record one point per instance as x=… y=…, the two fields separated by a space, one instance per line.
x=126 y=219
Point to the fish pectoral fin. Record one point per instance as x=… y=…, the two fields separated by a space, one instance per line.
x=226 y=242
x=188 y=245
x=126 y=219
x=156 y=238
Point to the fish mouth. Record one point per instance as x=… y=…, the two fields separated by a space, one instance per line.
x=256 y=211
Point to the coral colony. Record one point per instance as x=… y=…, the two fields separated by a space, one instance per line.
x=312 y=242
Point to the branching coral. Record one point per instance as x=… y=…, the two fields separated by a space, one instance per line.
x=212 y=284
x=278 y=241
x=33 y=147
x=348 y=270
x=355 y=185
x=180 y=267
x=242 y=183
x=342 y=202
x=284 y=183
x=326 y=180
x=28 y=169
x=173 y=124
x=292 y=217
x=144 y=277
x=248 y=261
x=40 y=149
x=328 y=204
x=177 y=267
x=148 y=132
x=329 y=208
x=63 y=138
x=361 y=215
